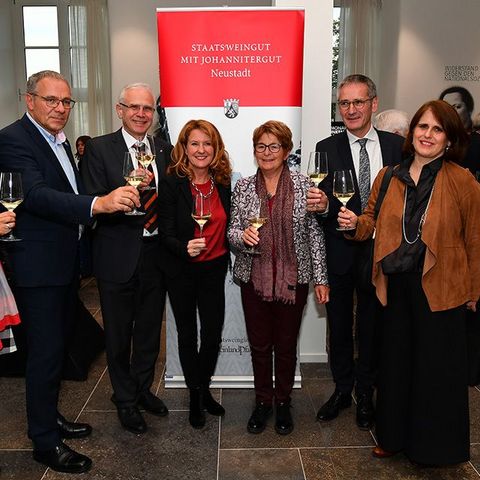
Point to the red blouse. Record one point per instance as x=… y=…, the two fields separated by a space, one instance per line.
x=215 y=229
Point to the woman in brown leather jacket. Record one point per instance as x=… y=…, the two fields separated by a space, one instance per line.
x=427 y=274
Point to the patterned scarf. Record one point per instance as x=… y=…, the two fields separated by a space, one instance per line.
x=277 y=251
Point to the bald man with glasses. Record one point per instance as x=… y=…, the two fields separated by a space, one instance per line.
x=363 y=150
x=126 y=259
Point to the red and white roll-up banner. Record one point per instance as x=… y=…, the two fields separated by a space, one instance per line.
x=236 y=68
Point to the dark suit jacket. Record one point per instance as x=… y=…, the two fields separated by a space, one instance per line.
x=176 y=225
x=472 y=157
x=117 y=238
x=341 y=252
x=48 y=218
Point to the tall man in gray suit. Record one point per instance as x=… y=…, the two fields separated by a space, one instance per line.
x=363 y=150
x=126 y=259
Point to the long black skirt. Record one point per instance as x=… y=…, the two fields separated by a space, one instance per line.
x=422 y=396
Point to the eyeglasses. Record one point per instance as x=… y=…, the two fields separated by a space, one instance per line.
x=136 y=108
x=358 y=104
x=54 y=102
x=273 y=147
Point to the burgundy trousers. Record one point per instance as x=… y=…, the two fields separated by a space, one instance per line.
x=272 y=329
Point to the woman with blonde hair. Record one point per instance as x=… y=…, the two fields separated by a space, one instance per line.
x=195 y=255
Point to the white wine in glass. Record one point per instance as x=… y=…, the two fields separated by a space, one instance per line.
x=318 y=167
x=201 y=211
x=343 y=189
x=134 y=176
x=11 y=196
x=256 y=221
x=146 y=157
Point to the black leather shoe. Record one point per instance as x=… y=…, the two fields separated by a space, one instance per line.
x=331 y=408
x=259 y=417
x=211 y=405
x=152 y=404
x=72 y=429
x=365 y=411
x=196 y=416
x=63 y=459
x=132 y=420
x=283 y=419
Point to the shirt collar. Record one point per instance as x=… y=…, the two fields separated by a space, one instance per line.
x=57 y=139
x=370 y=135
x=131 y=141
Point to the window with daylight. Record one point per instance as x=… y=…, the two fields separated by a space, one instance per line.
x=70 y=37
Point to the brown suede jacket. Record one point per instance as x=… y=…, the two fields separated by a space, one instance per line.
x=451 y=271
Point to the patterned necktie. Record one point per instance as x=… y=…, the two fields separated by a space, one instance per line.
x=148 y=197
x=364 y=173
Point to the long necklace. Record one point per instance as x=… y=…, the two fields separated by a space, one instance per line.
x=212 y=186
x=422 y=218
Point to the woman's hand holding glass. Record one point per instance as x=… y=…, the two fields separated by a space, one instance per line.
x=347 y=220
x=196 y=246
x=317 y=200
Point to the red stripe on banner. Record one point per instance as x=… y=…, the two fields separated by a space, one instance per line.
x=254 y=56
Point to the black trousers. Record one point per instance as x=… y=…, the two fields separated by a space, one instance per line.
x=422 y=395
x=48 y=315
x=201 y=285
x=340 y=314
x=132 y=318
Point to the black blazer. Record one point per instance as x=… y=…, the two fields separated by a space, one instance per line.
x=472 y=156
x=176 y=225
x=48 y=218
x=341 y=252
x=117 y=238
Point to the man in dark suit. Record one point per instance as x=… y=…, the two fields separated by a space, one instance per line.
x=126 y=259
x=364 y=151
x=45 y=264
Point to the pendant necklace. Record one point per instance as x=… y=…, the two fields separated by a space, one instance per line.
x=422 y=218
x=212 y=186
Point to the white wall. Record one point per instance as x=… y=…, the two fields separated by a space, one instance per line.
x=419 y=39
x=9 y=103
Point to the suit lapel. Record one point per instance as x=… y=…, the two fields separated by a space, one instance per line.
x=45 y=148
x=345 y=154
x=119 y=148
x=386 y=148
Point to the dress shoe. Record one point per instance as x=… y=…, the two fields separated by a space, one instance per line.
x=259 y=417
x=211 y=405
x=283 y=419
x=379 y=452
x=196 y=416
x=365 y=411
x=131 y=419
x=331 y=408
x=63 y=459
x=152 y=404
x=72 y=429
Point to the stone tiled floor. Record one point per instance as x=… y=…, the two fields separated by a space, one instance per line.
x=172 y=450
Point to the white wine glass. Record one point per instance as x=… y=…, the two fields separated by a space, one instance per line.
x=134 y=176
x=317 y=167
x=145 y=157
x=11 y=196
x=343 y=189
x=201 y=212
x=257 y=220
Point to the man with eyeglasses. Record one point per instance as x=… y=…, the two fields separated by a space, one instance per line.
x=126 y=258
x=45 y=264
x=363 y=150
